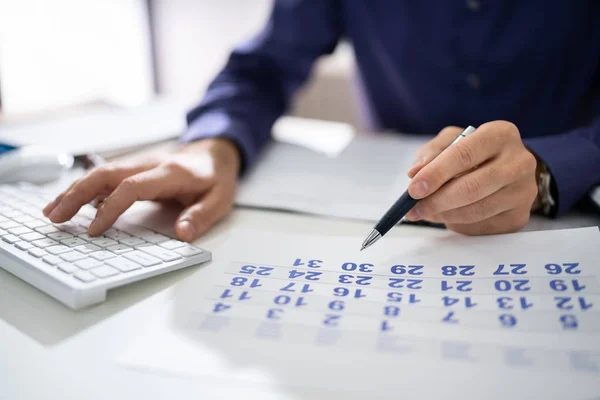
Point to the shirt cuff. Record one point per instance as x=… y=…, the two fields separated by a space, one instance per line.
x=218 y=124
x=573 y=162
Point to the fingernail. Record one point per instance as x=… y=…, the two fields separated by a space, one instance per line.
x=420 y=189
x=188 y=231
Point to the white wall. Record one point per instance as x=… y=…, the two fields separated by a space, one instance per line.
x=56 y=53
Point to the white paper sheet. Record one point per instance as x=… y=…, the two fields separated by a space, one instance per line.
x=511 y=316
x=360 y=183
x=105 y=129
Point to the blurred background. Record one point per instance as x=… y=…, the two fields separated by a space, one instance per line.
x=63 y=54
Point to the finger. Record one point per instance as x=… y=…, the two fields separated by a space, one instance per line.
x=464 y=190
x=197 y=218
x=99 y=180
x=485 y=143
x=505 y=199
x=506 y=222
x=433 y=148
x=148 y=185
x=52 y=205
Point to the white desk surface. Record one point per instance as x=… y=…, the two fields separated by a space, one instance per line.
x=50 y=352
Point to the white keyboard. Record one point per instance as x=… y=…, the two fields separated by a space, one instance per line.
x=64 y=262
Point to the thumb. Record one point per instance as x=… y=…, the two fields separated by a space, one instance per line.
x=433 y=148
x=200 y=216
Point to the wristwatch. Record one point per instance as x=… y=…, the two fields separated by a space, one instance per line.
x=545 y=189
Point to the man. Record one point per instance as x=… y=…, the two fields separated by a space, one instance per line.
x=526 y=73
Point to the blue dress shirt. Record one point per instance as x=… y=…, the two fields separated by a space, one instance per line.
x=426 y=64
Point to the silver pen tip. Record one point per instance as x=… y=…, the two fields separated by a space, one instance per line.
x=373 y=236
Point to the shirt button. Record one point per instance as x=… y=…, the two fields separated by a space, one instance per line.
x=473 y=81
x=473 y=5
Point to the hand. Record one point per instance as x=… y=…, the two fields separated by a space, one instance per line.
x=494 y=183
x=202 y=177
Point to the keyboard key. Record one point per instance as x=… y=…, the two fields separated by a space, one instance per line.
x=172 y=244
x=57 y=249
x=88 y=263
x=155 y=238
x=60 y=235
x=11 y=239
x=132 y=241
x=23 y=218
x=89 y=238
x=85 y=276
x=21 y=230
x=87 y=248
x=159 y=252
x=104 y=242
x=68 y=268
x=73 y=242
x=43 y=243
x=36 y=252
x=9 y=224
x=135 y=230
x=123 y=265
x=72 y=256
x=47 y=229
x=104 y=272
x=22 y=245
x=74 y=230
x=35 y=223
x=30 y=237
x=3 y=232
x=52 y=260
x=116 y=235
x=119 y=249
x=102 y=255
x=188 y=250
x=3 y=219
x=143 y=259
x=82 y=221
x=12 y=213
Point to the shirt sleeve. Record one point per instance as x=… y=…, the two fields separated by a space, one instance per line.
x=573 y=159
x=262 y=75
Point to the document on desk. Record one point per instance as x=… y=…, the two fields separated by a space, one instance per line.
x=361 y=182
x=511 y=316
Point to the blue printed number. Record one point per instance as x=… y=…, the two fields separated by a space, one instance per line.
x=391 y=311
x=506 y=303
x=569 y=321
x=309 y=263
x=343 y=292
x=560 y=285
x=274 y=313
x=227 y=293
x=397 y=297
x=308 y=275
x=239 y=281
x=283 y=300
x=515 y=269
x=291 y=287
x=386 y=326
x=464 y=270
x=461 y=286
x=331 y=320
x=564 y=303
x=337 y=305
x=350 y=266
x=219 y=307
x=516 y=284
x=450 y=318
x=450 y=301
x=567 y=268
x=407 y=269
x=508 y=320
x=360 y=280
x=408 y=283
x=251 y=269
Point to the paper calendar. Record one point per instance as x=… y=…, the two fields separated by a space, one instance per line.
x=486 y=317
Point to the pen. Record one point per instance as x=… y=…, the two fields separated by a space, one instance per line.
x=401 y=207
